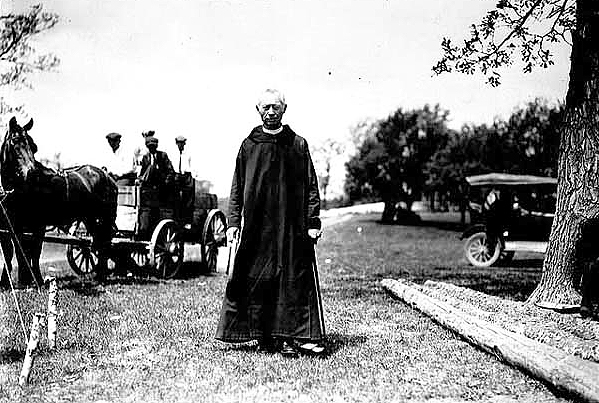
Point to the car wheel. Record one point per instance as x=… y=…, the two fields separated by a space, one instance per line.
x=479 y=252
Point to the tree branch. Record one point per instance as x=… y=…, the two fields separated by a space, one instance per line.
x=521 y=23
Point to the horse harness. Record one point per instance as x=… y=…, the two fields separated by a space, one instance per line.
x=65 y=175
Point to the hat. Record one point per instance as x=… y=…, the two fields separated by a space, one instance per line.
x=113 y=136
x=151 y=140
x=180 y=139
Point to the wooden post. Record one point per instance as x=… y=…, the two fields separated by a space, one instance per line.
x=566 y=372
x=34 y=337
x=52 y=311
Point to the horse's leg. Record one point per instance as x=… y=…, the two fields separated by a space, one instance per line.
x=24 y=270
x=94 y=229
x=35 y=251
x=7 y=252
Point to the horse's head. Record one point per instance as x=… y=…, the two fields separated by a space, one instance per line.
x=16 y=154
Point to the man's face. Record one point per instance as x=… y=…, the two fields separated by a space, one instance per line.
x=180 y=145
x=152 y=147
x=271 y=111
x=114 y=144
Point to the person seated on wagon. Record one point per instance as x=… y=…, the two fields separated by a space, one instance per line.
x=156 y=166
x=119 y=165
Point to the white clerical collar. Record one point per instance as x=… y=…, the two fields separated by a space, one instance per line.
x=276 y=131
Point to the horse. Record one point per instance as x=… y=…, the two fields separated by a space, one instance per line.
x=38 y=196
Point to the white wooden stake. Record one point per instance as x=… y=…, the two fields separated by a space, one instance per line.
x=34 y=337
x=52 y=311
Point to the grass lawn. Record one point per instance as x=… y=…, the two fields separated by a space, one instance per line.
x=152 y=341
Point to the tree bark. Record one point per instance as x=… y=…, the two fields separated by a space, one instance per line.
x=578 y=163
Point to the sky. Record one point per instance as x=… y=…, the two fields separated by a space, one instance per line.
x=196 y=68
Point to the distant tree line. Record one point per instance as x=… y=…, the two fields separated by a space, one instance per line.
x=412 y=155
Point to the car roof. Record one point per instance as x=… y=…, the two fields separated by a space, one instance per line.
x=509 y=179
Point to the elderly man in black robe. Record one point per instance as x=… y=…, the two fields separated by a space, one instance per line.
x=273 y=294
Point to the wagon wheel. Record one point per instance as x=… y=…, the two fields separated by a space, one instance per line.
x=82 y=258
x=213 y=237
x=166 y=249
x=479 y=252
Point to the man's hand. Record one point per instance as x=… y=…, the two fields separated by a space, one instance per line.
x=314 y=233
x=232 y=233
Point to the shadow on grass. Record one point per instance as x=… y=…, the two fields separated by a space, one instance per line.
x=92 y=288
x=84 y=288
x=191 y=270
x=444 y=225
x=10 y=356
x=338 y=341
x=89 y=287
x=530 y=263
x=516 y=281
x=518 y=291
x=448 y=225
x=333 y=342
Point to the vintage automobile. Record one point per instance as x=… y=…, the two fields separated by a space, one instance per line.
x=508 y=213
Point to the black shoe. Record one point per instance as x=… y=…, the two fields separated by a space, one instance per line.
x=288 y=349
x=267 y=345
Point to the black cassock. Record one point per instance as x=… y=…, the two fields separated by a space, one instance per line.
x=274 y=288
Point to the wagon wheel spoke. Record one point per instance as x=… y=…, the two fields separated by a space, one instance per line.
x=78 y=255
x=78 y=258
x=80 y=263
x=87 y=264
x=93 y=259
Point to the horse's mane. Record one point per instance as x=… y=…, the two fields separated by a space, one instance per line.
x=3 y=157
x=3 y=147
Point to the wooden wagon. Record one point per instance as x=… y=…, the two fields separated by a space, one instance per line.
x=152 y=227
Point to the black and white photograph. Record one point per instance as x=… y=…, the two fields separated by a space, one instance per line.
x=299 y=201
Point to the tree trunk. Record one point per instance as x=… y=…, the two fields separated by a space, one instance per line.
x=578 y=164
